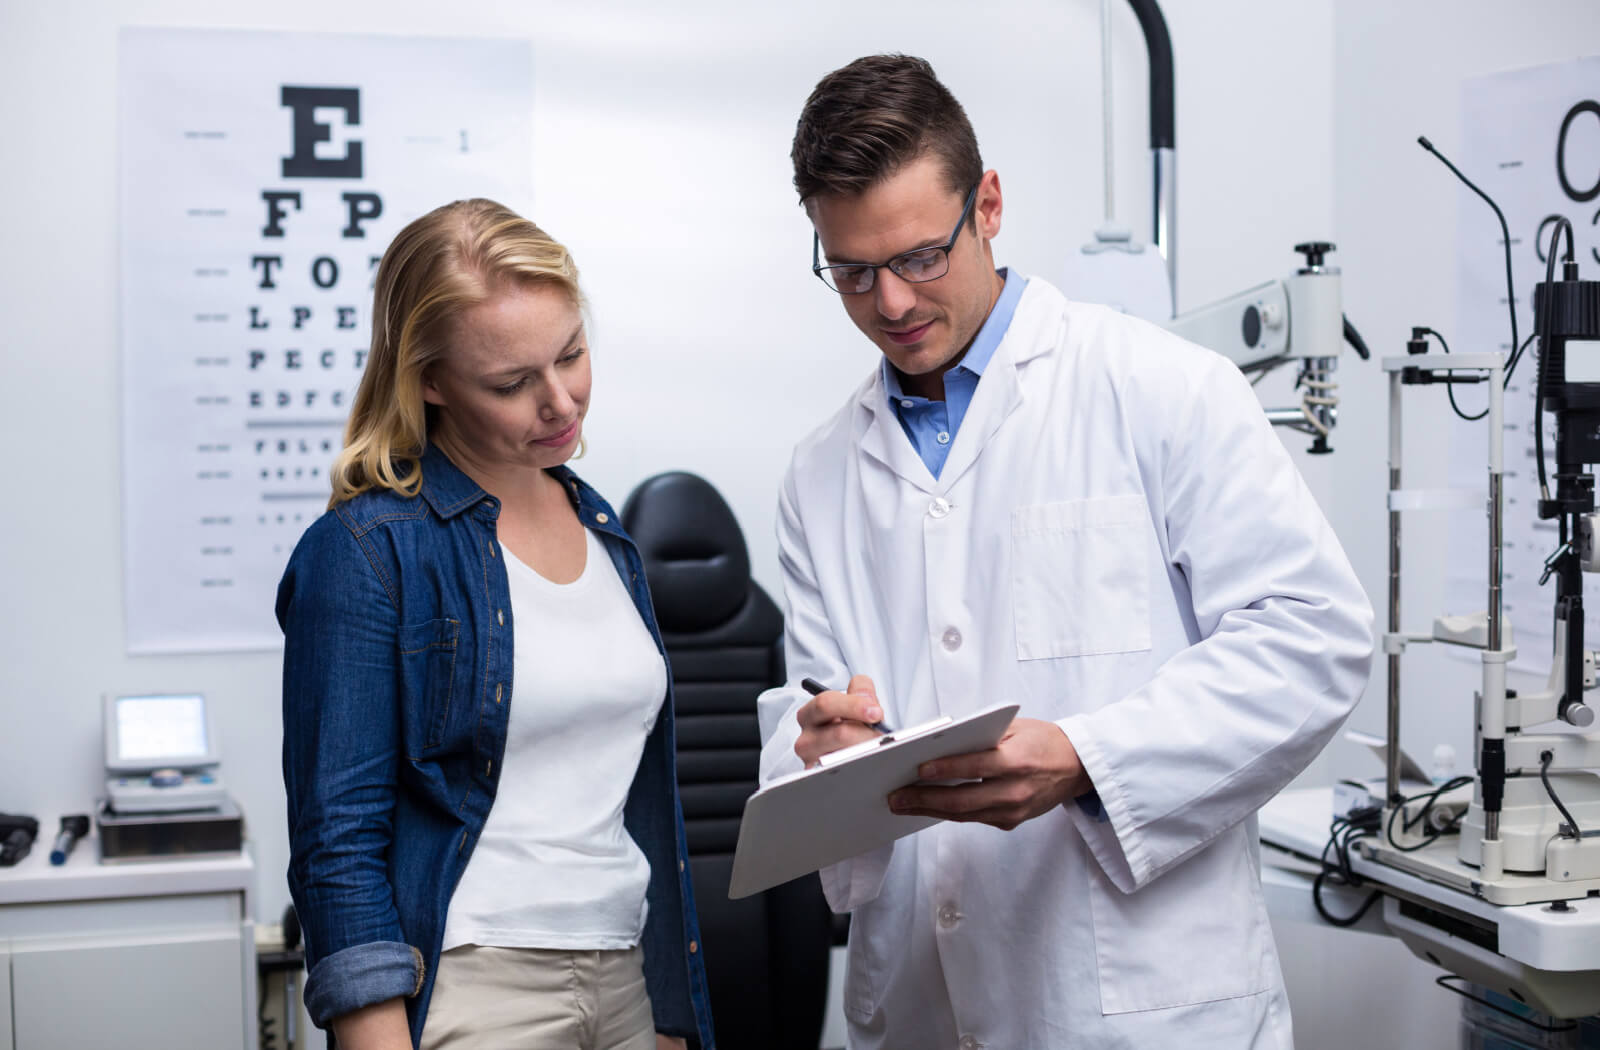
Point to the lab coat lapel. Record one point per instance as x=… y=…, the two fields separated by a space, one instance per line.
x=999 y=392
x=997 y=397
x=884 y=440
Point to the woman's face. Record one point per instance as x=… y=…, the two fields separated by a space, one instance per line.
x=513 y=387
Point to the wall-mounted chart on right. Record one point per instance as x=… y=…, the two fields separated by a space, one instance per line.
x=1531 y=140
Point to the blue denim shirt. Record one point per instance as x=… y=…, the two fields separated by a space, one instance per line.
x=397 y=665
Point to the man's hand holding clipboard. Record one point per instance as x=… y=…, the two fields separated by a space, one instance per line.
x=864 y=786
x=839 y=807
x=1033 y=769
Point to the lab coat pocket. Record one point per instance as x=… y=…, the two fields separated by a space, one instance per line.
x=427 y=678
x=1080 y=585
x=1197 y=934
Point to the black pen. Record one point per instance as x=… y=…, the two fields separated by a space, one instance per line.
x=812 y=686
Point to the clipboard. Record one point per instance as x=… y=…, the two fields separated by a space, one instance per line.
x=839 y=808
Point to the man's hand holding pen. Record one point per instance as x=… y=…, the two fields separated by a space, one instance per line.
x=832 y=719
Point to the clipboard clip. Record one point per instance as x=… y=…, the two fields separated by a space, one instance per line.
x=845 y=754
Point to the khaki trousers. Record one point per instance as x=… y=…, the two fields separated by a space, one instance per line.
x=538 y=998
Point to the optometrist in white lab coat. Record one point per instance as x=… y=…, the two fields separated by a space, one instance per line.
x=1117 y=542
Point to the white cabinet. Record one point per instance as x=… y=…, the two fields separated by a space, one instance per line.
x=157 y=955
x=6 y=1042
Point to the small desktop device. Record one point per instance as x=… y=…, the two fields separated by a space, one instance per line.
x=161 y=754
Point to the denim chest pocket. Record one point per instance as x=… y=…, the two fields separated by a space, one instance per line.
x=427 y=679
x=1080 y=585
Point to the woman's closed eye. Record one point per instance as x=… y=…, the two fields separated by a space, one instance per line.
x=516 y=385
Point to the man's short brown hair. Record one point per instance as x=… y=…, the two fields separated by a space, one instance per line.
x=866 y=121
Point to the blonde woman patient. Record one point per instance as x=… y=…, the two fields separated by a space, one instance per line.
x=486 y=841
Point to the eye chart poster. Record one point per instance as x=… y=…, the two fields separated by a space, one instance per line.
x=1531 y=140
x=262 y=176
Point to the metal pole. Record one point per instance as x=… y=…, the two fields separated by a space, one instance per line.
x=1165 y=185
x=1492 y=705
x=1496 y=502
x=1163 y=135
x=1392 y=748
x=1106 y=120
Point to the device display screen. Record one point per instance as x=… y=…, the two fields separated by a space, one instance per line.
x=162 y=727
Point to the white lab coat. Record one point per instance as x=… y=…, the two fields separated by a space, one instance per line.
x=1120 y=544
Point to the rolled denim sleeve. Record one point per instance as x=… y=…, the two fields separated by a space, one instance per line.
x=340 y=760
x=361 y=975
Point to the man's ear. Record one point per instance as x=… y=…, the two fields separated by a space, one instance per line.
x=988 y=205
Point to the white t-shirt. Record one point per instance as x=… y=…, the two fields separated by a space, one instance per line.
x=554 y=867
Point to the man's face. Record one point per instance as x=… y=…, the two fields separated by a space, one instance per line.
x=922 y=328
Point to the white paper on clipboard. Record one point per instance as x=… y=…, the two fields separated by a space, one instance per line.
x=833 y=811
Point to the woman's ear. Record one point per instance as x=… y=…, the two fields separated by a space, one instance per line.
x=431 y=394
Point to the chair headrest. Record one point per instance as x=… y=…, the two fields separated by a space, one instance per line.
x=693 y=550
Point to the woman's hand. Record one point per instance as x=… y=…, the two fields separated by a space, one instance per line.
x=670 y=1042
x=381 y=1026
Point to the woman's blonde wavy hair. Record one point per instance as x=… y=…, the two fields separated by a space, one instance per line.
x=448 y=260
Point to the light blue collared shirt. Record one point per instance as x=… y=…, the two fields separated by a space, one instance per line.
x=932 y=425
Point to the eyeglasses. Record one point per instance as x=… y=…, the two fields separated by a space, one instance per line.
x=916 y=266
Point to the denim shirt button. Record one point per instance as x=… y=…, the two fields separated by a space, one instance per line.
x=500 y=616
x=694 y=946
x=602 y=517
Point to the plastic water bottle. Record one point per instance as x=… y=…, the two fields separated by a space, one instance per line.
x=1444 y=763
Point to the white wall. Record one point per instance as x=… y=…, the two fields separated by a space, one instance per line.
x=661 y=156
x=661 y=141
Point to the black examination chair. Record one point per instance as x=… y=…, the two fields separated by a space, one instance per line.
x=766 y=956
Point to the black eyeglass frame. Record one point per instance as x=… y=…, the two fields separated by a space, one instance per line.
x=893 y=265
